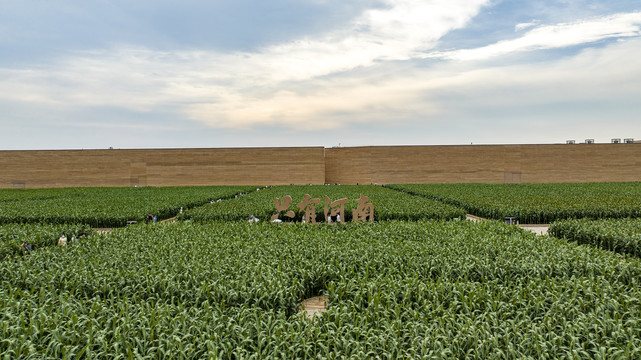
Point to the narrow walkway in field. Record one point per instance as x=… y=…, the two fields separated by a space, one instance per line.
x=539 y=229
x=474 y=218
x=210 y=202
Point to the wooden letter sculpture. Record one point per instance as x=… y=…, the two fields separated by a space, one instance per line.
x=282 y=204
x=364 y=211
x=335 y=208
x=309 y=209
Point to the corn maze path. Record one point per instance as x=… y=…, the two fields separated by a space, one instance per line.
x=539 y=229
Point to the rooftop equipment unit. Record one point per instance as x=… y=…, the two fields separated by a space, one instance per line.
x=589 y=141
x=628 y=141
x=569 y=141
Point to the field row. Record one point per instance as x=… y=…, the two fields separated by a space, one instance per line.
x=618 y=235
x=36 y=236
x=432 y=289
x=105 y=207
x=537 y=203
x=527 y=203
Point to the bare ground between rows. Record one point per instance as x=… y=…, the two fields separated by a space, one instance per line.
x=314 y=306
x=539 y=229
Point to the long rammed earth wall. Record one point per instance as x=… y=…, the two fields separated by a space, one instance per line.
x=484 y=164
x=162 y=167
x=317 y=165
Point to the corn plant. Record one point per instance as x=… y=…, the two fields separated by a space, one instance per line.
x=12 y=236
x=105 y=207
x=537 y=203
x=426 y=289
x=618 y=235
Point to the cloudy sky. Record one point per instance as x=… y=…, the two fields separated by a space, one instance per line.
x=196 y=73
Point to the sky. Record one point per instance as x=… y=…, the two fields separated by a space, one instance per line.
x=253 y=73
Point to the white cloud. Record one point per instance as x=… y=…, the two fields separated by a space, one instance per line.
x=523 y=26
x=243 y=89
x=365 y=73
x=599 y=84
x=321 y=105
x=608 y=74
x=400 y=32
x=556 y=36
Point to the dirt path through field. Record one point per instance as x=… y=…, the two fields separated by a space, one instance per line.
x=474 y=218
x=314 y=306
x=539 y=229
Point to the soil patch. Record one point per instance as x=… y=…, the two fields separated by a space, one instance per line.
x=474 y=218
x=314 y=306
x=539 y=229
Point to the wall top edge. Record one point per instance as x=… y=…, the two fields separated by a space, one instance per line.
x=479 y=145
x=328 y=148
x=181 y=149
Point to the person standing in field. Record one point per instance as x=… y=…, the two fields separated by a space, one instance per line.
x=25 y=247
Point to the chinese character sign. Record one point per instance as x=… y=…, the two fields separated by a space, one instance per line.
x=336 y=209
x=364 y=211
x=282 y=204
x=308 y=207
x=332 y=209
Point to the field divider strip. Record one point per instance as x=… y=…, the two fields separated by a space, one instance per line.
x=474 y=218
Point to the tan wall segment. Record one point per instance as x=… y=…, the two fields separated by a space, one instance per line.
x=316 y=165
x=484 y=163
x=581 y=163
x=162 y=167
x=422 y=164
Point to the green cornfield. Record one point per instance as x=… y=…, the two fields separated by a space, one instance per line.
x=618 y=235
x=418 y=283
x=105 y=207
x=37 y=235
x=425 y=289
x=537 y=203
